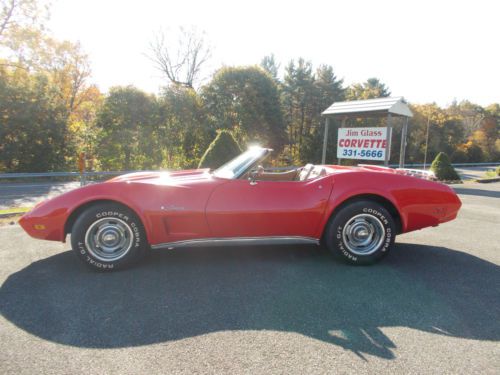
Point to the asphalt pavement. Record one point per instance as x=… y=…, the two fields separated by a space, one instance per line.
x=431 y=307
x=22 y=194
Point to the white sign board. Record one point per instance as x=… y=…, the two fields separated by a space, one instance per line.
x=362 y=143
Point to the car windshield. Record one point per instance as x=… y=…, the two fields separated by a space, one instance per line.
x=237 y=166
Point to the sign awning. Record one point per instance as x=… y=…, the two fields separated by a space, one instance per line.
x=371 y=107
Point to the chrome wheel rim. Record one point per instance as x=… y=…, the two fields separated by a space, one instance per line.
x=363 y=234
x=109 y=239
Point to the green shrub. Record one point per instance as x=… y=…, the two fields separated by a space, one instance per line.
x=443 y=169
x=223 y=148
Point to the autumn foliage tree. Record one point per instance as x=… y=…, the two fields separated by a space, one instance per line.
x=33 y=123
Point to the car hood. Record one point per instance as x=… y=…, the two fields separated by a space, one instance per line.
x=166 y=177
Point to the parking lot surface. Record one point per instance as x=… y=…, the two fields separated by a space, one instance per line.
x=432 y=306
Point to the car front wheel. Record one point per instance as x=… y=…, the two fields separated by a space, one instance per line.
x=108 y=237
x=361 y=232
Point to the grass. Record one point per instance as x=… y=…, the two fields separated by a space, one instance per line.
x=14 y=210
x=490 y=174
x=10 y=216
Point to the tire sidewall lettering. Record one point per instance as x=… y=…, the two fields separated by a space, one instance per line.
x=103 y=214
x=86 y=255
x=386 y=244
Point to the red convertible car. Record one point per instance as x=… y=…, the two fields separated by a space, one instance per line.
x=356 y=212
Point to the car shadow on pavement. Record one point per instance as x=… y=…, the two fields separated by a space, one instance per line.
x=478 y=192
x=190 y=292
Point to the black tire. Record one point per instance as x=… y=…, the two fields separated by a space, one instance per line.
x=104 y=227
x=358 y=223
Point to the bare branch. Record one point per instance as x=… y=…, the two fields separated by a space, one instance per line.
x=181 y=64
x=9 y=10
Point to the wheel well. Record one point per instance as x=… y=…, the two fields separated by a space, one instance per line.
x=74 y=215
x=387 y=204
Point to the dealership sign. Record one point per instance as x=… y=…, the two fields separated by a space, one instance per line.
x=362 y=143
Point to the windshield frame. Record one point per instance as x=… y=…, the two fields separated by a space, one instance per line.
x=238 y=166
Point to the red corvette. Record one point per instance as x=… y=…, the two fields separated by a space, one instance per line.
x=356 y=212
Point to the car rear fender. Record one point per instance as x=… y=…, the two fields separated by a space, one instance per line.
x=341 y=197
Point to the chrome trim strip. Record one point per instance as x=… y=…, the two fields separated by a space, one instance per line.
x=239 y=241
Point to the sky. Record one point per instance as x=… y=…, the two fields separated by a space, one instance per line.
x=427 y=51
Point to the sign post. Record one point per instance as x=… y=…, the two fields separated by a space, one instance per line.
x=325 y=140
x=364 y=143
x=389 y=134
x=403 y=145
x=81 y=167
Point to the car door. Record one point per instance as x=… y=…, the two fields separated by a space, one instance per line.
x=239 y=208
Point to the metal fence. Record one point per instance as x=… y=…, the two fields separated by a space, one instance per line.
x=456 y=165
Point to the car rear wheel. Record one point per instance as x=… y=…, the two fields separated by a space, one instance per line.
x=361 y=232
x=108 y=237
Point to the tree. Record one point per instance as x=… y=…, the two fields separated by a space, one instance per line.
x=183 y=134
x=474 y=152
x=305 y=95
x=443 y=169
x=18 y=16
x=327 y=89
x=371 y=89
x=298 y=100
x=180 y=63
x=33 y=123
x=270 y=65
x=221 y=150
x=70 y=70
x=470 y=114
x=22 y=24
x=487 y=135
x=445 y=132
x=84 y=134
x=245 y=100
x=127 y=130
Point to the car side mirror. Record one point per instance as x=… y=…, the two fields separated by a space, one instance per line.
x=253 y=177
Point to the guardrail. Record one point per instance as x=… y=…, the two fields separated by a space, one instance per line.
x=492 y=164
x=63 y=174
x=82 y=176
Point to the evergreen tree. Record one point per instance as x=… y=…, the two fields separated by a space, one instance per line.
x=269 y=64
x=371 y=89
x=298 y=98
x=221 y=150
x=443 y=169
x=304 y=96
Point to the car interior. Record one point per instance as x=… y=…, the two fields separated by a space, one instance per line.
x=308 y=172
